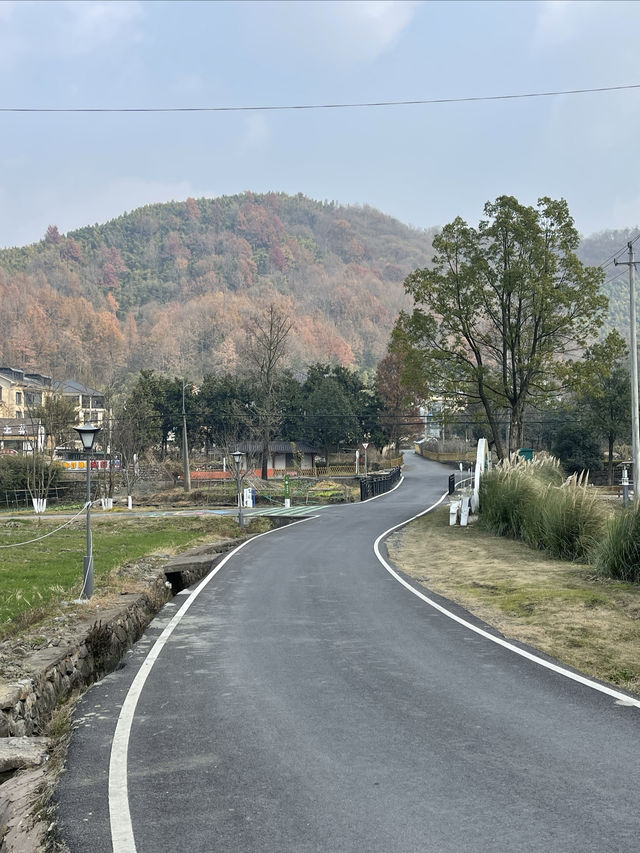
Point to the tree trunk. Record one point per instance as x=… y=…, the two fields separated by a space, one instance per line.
x=494 y=427
x=516 y=433
x=610 y=462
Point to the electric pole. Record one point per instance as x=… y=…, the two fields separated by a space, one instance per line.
x=633 y=347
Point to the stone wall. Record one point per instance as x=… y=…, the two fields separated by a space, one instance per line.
x=97 y=645
x=84 y=653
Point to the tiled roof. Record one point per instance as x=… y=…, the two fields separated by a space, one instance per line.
x=277 y=446
x=70 y=386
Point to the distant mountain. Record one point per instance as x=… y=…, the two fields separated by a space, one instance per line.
x=599 y=250
x=170 y=286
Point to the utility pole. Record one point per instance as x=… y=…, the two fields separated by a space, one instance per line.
x=185 y=446
x=110 y=453
x=633 y=346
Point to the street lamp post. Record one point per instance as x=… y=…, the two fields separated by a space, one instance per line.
x=88 y=433
x=185 y=446
x=237 y=461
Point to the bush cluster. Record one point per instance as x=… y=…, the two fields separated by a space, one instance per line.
x=16 y=471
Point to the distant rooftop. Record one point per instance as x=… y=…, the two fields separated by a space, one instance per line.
x=70 y=386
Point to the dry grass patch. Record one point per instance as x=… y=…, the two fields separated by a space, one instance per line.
x=561 y=608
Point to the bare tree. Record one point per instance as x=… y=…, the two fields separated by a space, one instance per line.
x=51 y=422
x=265 y=352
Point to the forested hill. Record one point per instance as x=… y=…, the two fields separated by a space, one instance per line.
x=170 y=286
x=599 y=250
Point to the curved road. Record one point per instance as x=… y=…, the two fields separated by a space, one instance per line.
x=305 y=700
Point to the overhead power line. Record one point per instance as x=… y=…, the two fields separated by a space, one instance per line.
x=612 y=258
x=330 y=106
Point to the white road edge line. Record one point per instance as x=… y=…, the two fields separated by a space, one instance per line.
x=622 y=698
x=119 y=813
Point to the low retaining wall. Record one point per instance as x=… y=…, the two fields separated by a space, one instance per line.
x=26 y=705
x=93 y=648
x=53 y=673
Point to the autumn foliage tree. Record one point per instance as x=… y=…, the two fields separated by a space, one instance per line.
x=399 y=415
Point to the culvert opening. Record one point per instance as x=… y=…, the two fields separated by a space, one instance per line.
x=175 y=579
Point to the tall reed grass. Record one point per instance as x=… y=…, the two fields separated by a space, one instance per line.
x=618 y=554
x=530 y=501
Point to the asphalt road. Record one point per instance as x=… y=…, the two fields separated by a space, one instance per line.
x=305 y=700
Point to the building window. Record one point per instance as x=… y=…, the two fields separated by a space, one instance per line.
x=19 y=400
x=18 y=413
x=33 y=398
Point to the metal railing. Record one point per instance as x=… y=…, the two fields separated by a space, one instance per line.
x=378 y=484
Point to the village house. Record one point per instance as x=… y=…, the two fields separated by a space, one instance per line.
x=22 y=392
x=283 y=455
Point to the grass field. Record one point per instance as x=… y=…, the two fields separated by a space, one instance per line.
x=562 y=608
x=36 y=577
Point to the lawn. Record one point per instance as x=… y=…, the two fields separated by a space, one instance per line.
x=37 y=576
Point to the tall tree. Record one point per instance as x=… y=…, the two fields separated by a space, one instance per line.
x=330 y=419
x=501 y=308
x=399 y=414
x=604 y=398
x=221 y=409
x=155 y=393
x=363 y=399
x=57 y=414
x=135 y=431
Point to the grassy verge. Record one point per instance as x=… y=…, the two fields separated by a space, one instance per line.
x=564 y=609
x=35 y=578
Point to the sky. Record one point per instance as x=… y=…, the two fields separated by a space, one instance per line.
x=424 y=164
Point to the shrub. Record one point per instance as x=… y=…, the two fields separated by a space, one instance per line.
x=17 y=471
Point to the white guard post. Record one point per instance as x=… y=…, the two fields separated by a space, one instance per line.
x=464 y=512
x=454 y=506
x=482 y=464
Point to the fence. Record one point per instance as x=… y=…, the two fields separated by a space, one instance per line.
x=396 y=462
x=336 y=471
x=435 y=456
x=378 y=484
x=20 y=498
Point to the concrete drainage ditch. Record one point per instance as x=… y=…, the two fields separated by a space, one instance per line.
x=49 y=676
